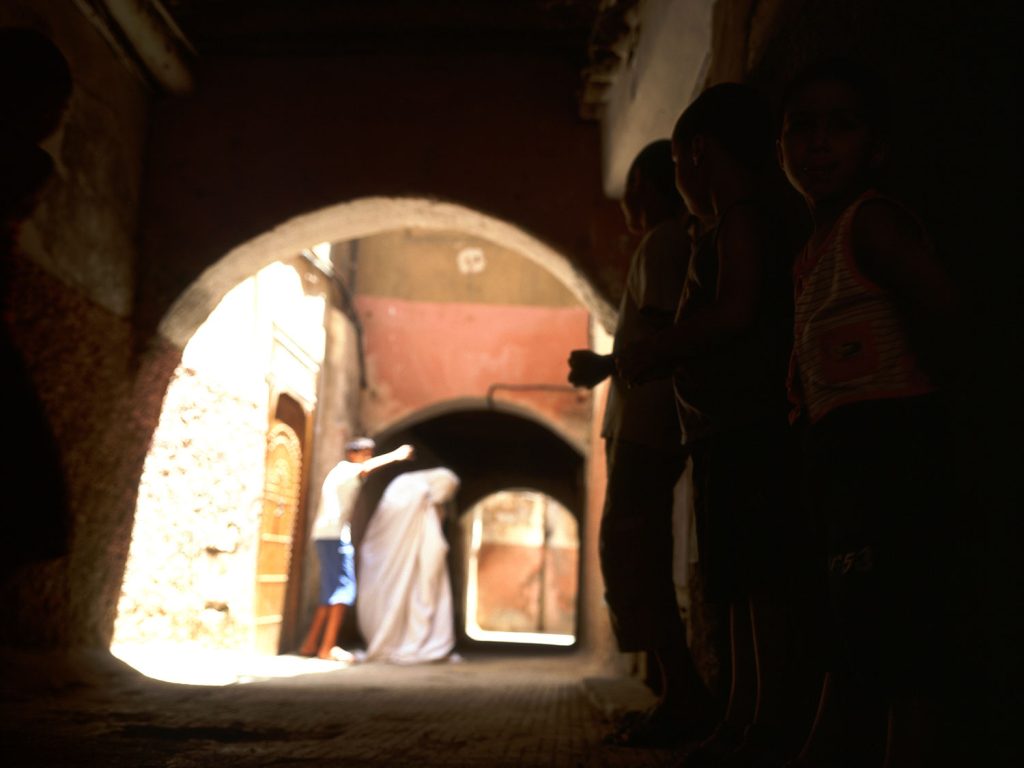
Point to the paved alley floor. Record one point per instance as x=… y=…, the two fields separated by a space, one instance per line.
x=486 y=711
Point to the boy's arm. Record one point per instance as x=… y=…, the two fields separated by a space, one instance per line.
x=376 y=462
x=740 y=266
x=891 y=250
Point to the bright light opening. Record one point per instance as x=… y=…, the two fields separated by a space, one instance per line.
x=522 y=570
x=205 y=585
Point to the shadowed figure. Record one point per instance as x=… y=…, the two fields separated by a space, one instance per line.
x=727 y=352
x=35 y=89
x=878 y=334
x=645 y=460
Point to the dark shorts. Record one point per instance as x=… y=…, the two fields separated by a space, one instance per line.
x=751 y=531
x=337 y=572
x=636 y=545
x=878 y=476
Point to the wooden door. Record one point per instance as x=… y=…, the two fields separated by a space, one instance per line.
x=281 y=493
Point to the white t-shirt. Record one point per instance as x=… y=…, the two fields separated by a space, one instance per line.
x=337 y=498
x=646 y=414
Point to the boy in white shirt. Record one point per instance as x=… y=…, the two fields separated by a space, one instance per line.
x=332 y=537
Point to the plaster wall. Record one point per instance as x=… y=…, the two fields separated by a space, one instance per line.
x=437 y=265
x=664 y=68
x=446 y=316
x=420 y=354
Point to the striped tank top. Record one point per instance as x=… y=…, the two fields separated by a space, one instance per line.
x=849 y=342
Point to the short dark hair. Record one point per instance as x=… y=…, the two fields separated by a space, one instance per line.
x=735 y=115
x=869 y=87
x=35 y=82
x=655 y=165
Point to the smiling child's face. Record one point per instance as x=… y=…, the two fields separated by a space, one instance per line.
x=827 y=148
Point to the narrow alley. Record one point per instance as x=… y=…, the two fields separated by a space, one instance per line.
x=510 y=383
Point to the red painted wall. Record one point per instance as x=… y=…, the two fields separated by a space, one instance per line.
x=420 y=354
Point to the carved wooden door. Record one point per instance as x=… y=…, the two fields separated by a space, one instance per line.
x=281 y=492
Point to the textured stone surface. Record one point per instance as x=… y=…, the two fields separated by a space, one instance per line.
x=488 y=711
x=197 y=520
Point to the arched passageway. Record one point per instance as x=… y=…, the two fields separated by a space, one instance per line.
x=492 y=449
x=490 y=442
x=518 y=554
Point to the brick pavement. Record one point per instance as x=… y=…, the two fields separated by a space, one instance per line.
x=486 y=711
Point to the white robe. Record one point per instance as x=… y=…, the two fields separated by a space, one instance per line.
x=405 y=594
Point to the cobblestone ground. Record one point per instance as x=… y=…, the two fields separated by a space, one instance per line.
x=487 y=711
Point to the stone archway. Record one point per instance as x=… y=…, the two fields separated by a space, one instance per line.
x=496 y=448
x=372 y=216
x=361 y=218
x=385 y=432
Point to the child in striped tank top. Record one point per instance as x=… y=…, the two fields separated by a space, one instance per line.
x=873 y=319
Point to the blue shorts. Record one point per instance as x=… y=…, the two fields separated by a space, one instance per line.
x=337 y=572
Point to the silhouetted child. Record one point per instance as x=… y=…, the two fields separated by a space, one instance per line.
x=875 y=333
x=728 y=349
x=333 y=540
x=35 y=90
x=645 y=459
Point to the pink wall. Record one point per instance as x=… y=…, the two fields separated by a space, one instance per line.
x=423 y=353
x=509 y=584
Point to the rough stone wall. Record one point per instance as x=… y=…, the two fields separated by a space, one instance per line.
x=191 y=569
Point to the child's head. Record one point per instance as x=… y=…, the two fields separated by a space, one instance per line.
x=835 y=122
x=35 y=84
x=727 y=121
x=651 y=195
x=360 y=449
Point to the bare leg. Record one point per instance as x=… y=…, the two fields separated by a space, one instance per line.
x=682 y=688
x=739 y=712
x=849 y=725
x=743 y=691
x=911 y=732
x=787 y=685
x=309 y=645
x=685 y=710
x=825 y=730
x=335 y=613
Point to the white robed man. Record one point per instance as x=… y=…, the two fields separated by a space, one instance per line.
x=405 y=609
